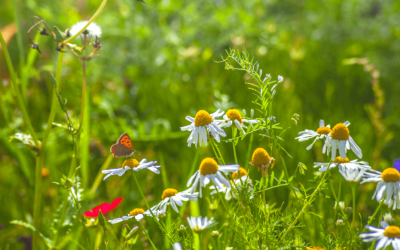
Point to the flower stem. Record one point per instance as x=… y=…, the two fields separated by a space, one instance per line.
x=233 y=144
x=145 y=232
x=148 y=207
x=308 y=202
x=353 y=190
x=371 y=218
x=249 y=150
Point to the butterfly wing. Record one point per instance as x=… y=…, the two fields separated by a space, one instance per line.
x=125 y=140
x=123 y=147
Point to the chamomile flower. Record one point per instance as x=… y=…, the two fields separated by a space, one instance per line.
x=352 y=175
x=388 y=188
x=172 y=197
x=340 y=139
x=262 y=161
x=239 y=184
x=233 y=116
x=200 y=224
x=93 y=30
x=136 y=213
x=385 y=236
x=321 y=133
x=343 y=163
x=199 y=126
x=210 y=170
x=132 y=164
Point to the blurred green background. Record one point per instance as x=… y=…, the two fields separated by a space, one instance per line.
x=158 y=64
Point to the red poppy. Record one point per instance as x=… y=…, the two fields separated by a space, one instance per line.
x=105 y=208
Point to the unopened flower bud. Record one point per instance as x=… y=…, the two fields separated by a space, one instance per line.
x=215 y=234
x=162 y=214
x=132 y=232
x=348 y=210
x=339 y=222
x=388 y=218
x=182 y=228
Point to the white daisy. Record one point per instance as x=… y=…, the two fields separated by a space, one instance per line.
x=343 y=164
x=93 y=30
x=200 y=224
x=172 y=197
x=385 y=236
x=321 y=133
x=239 y=184
x=210 y=170
x=352 y=175
x=233 y=116
x=202 y=122
x=340 y=139
x=136 y=213
x=388 y=188
x=132 y=164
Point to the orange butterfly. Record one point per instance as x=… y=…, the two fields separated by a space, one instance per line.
x=123 y=147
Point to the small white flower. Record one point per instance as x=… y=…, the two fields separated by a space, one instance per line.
x=136 y=213
x=340 y=139
x=199 y=126
x=243 y=182
x=132 y=164
x=93 y=29
x=388 y=188
x=172 y=197
x=321 y=133
x=177 y=246
x=210 y=170
x=341 y=205
x=385 y=236
x=200 y=224
x=280 y=78
x=343 y=164
x=233 y=116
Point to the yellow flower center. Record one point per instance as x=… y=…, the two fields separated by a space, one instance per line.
x=390 y=175
x=131 y=163
x=136 y=211
x=341 y=160
x=233 y=114
x=323 y=130
x=240 y=173
x=202 y=118
x=208 y=166
x=168 y=193
x=340 y=132
x=260 y=157
x=392 y=232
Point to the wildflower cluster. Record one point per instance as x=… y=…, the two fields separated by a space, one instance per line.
x=353 y=171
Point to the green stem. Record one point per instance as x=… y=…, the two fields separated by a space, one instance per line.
x=213 y=148
x=308 y=202
x=219 y=152
x=148 y=237
x=88 y=23
x=20 y=44
x=40 y=161
x=353 y=190
x=148 y=207
x=249 y=150
x=201 y=240
x=233 y=144
x=373 y=216
x=230 y=215
x=17 y=92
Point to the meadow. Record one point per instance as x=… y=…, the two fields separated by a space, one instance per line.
x=278 y=67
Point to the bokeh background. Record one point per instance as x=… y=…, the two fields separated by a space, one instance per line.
x=158 y=64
